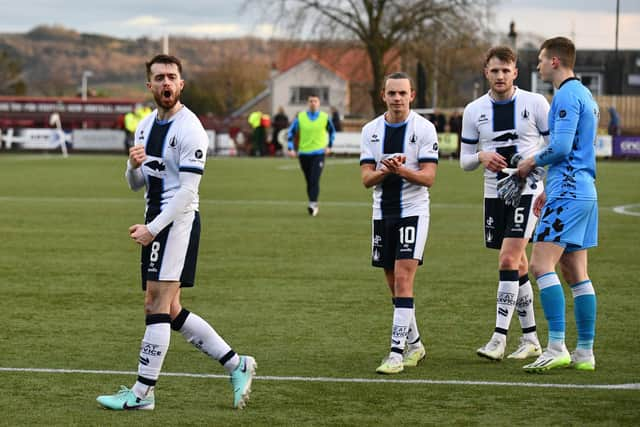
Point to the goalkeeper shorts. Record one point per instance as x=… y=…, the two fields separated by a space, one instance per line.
x=572 y=224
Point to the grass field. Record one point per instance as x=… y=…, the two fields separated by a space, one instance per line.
x=296 y=292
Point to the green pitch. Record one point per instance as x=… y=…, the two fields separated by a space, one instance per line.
x=296 y=292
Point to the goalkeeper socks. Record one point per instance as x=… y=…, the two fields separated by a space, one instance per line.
x=203 y=337
x=505 y=301
x=553 y=305
x=402 y=314
x=584 y=308
x=153 y=350
x=524 y=306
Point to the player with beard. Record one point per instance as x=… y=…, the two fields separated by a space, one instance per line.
x=168 y=158
x=495 y=127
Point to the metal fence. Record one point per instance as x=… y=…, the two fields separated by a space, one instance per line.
x=628 y=108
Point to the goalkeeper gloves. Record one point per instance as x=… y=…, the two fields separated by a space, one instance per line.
x=510 y=187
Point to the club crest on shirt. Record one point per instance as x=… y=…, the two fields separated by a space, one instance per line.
x=173 y=142
x=525 y=114
x=413 y=138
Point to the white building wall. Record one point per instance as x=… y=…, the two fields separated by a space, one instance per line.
x=308 y=73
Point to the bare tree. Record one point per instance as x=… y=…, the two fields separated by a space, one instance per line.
x=383 y=27
x=13 y=78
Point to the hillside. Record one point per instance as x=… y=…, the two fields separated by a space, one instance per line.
x=53 y=58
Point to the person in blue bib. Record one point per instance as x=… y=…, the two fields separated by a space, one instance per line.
x=315 y=133
x=568 y=209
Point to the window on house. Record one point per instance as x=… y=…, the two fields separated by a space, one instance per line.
x=538 y=86
x=300 y=94
x=593 y=81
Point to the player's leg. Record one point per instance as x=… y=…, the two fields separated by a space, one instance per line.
x=410 y=235
x=317 y=165
x=529 y=342
x=161 y=264
x=495 y=224
x=200 y=333
x=202 y=336
x=572 y=227
x=306 y=164
x=574 y=269
x=544 y=257
x=513 y=262
x=384 y=242
x=524 y=221
x=153 y=350
x=415 y=351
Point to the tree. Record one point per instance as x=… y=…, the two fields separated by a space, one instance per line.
x=225 y=88
x=381 y=26
x=12 y=78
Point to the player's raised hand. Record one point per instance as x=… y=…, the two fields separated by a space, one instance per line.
x=137 y=156
x=140 y=234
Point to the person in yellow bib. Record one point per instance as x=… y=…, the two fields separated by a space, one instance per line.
x=315 y=133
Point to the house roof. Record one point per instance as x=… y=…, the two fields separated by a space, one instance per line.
x=351 y=64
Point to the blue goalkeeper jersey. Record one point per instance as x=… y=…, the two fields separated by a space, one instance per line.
x=573 y=124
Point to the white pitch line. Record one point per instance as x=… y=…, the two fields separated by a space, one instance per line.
x=65 y=199
x=333 y=162
x=628 y=386
x=623 y=210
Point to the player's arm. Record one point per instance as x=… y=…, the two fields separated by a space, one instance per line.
x=370 y=176
x=567 y=114
x=470 y=156
x=144 y=234
x=331 y=130
x=133 y=174
x=291 y=135
x=425 y=175
x=186 y=194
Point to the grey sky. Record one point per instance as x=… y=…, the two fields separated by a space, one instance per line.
x=591 y=22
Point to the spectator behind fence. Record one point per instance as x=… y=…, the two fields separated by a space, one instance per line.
x=280 y=121
x=335 y=118
x=614 y=128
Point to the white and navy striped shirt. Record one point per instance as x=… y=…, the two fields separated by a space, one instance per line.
x=173 y=146
x=416 y=138
x=518 y=125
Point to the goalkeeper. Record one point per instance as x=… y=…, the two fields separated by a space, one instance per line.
x=505 y=121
